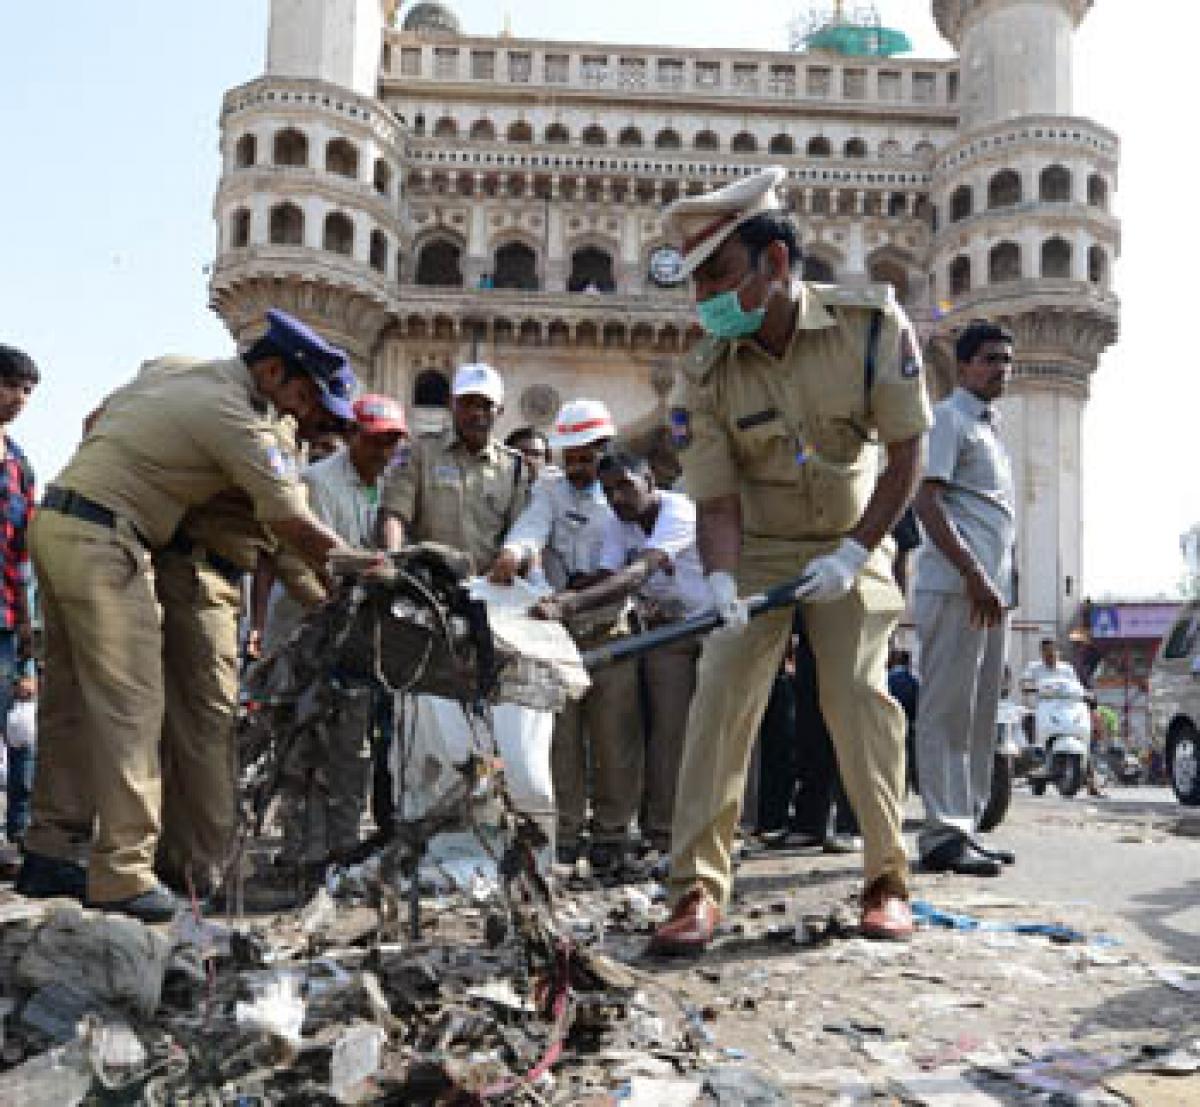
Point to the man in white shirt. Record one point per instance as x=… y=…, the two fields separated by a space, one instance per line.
x=650 y=551
x=1051 y=664
x=324 y=805
x=562 y=530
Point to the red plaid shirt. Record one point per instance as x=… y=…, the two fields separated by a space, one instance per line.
x=17 y=496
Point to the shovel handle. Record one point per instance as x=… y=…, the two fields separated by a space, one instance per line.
x=779 y=595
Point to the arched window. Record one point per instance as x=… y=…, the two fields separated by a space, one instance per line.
x=339 y=233
x=418 y=124
x=818 y=270
x=557 y=133
x=855 y=148
x=782 y=144
x=591 y=271
x=383 y=177
x=287 y=225
x=744 y=143
x=516 y=267
x=924 y=150
x=519 y=131
x=1004 y=189
x=630 y=136
x=1056 y=258
x=446 y=127
x=482 y=130
x=1054 y=185
x=341 y=157
x=379 y=251
x=820 y=202
x=706 y=140
x=246 y=151
x=439 y=264
x=431 y=389
x=667 y=139
x=962 y=203
x=1098 y=266
x=1097 y=191
x=1004 y=263
x=897 y=205
x=239 y=231
x=889 y=148
x=290 y=148
x=960 y=275
x=594 y=135
x=818 y=147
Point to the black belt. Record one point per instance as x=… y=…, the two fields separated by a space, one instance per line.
x=231 y=572
x=66 y=502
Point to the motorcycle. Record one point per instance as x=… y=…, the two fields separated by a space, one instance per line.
x=1117 y=764
x=1059 y=729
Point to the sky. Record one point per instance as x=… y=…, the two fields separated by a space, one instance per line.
x=109 y=125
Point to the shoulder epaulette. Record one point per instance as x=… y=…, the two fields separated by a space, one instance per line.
x=870 y=297
x=699 y=362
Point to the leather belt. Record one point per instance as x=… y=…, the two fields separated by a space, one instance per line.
x=67 y=502
x=229 y=571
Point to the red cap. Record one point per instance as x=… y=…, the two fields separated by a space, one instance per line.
x=377 y=414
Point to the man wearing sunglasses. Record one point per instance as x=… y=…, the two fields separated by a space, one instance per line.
x=965 y=587
x=173 y=438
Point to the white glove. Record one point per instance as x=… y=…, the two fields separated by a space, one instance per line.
x=735 y=613
x=832 y=575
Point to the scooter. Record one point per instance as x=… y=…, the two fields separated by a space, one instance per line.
x=1060 y=742
x=1010 y=741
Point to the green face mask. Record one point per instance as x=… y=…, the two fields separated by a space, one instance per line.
x=723 y=316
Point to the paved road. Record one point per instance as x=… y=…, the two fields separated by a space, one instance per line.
x=1134 y=853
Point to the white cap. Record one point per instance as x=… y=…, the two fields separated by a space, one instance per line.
x=703 y=223
x=479 y=380
x=580 y=423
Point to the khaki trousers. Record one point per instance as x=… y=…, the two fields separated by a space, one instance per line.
x=608 y=721
x=849 y=639
x=101 y=707
x=670 y=675
x=199 y=745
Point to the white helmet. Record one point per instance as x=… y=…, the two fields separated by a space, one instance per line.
x=580 y=423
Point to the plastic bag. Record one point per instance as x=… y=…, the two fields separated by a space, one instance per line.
x=21 y=730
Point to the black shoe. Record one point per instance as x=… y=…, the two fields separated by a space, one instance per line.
x=1004 y=856
x=566 y=853
x=157 y=905
x=960 y=857
x=43 y=877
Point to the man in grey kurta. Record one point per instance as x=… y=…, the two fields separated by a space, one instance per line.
x=965 y=587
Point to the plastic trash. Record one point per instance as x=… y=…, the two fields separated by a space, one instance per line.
x=58 y=1078
x=355 y=1058
x=278 y=1010
x=21 y=732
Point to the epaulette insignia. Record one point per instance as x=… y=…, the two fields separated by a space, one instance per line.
x=699 y=362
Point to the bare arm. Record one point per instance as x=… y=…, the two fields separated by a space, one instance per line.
x=893 y=490
x=309 y=538
x=986 y=605
x=610 y=589
x=389 y=532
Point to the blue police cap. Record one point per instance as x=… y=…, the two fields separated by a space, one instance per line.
x=326 y=364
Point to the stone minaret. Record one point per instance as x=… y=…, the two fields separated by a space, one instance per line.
x=1025 y=236
x=309 y=209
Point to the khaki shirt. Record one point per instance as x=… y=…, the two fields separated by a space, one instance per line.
x=798 y=438
x=174 y=437
x=446 y=494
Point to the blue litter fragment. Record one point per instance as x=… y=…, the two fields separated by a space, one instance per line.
x=925 y=912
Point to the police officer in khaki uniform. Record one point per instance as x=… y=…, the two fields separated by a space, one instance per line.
x=781 y=416
x=169 y=440
x=198 y=580
x=463 y=488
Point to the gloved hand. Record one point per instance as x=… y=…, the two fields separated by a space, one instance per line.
x=735 y=613
x=830 y=576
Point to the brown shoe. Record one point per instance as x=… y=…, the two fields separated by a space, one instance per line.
x=690 y=928
x=885 y=915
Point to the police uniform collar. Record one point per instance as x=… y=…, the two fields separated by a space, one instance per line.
x=241 y=371
x=490 y=451
x=811 y=315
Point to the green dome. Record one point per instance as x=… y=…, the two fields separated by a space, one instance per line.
x=857 y=40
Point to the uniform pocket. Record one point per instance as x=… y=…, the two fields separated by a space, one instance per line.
x=765 y=451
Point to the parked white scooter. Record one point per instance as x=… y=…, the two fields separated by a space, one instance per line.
x=1061 y=736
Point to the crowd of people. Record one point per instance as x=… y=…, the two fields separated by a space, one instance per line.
x=804 y=429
